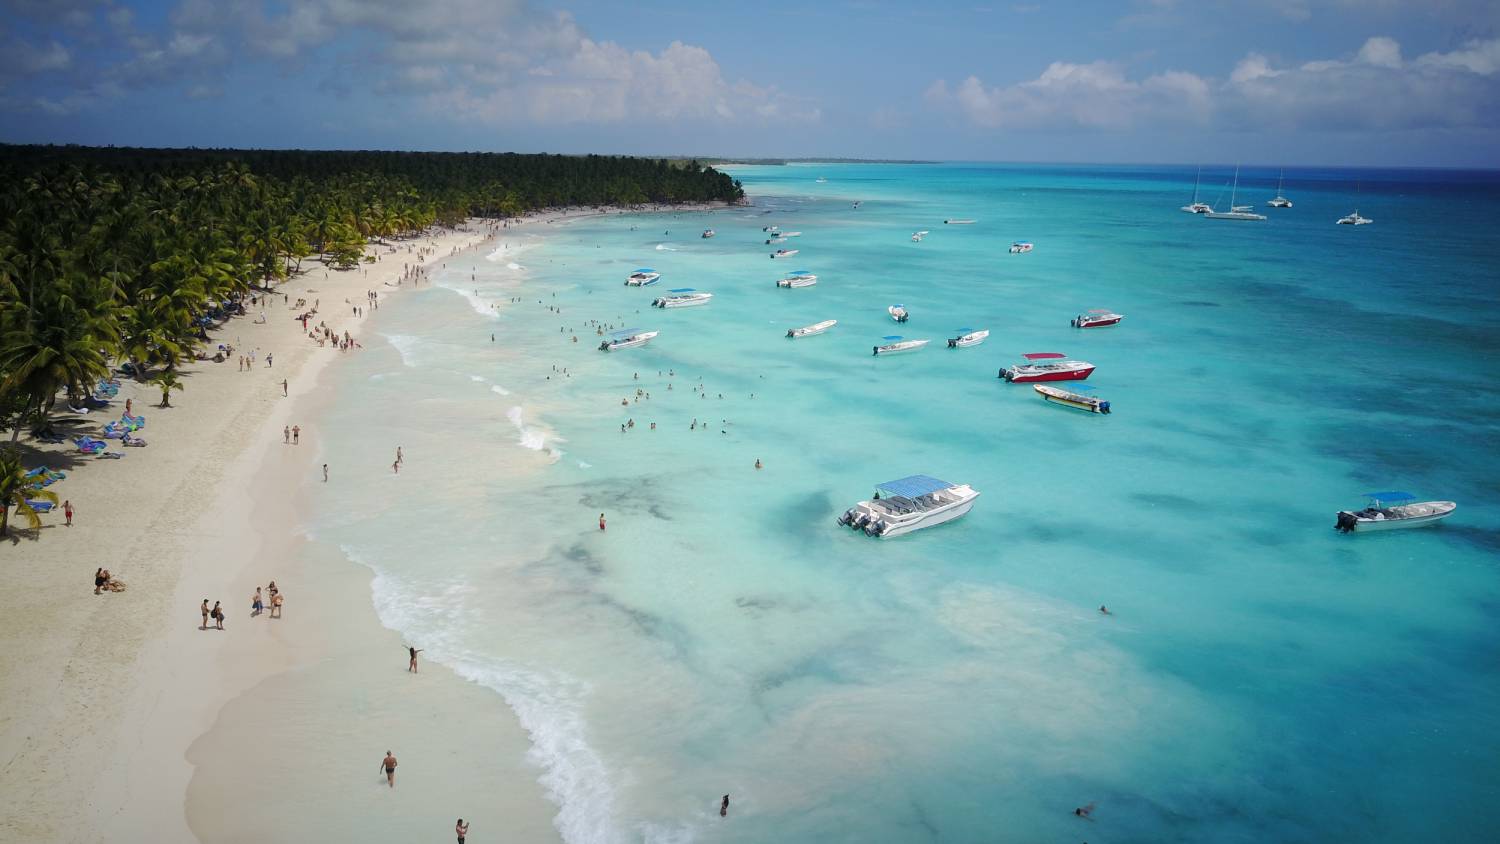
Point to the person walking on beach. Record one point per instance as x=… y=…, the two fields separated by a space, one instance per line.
x=461 y=829
x=268 y=360
x=601 y=521
x=724 y=807
x=283 y=387
x=389 y=764
x=205 y=613
x=325 y=473
x=412 y=666
x=218 y=614
x=396 y=467
x=296 y=433
x=286 y=435
x=68 y=512
x=255 y=604
x=399 y=458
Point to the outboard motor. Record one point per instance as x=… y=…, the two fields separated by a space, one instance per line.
x=847 y=517
x=1004 y=373
x=952 y=344
x=1104 y=407
x=1346 y=522
x=874 y=350
x=1073 y=322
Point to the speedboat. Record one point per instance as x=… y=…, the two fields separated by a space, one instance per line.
x=856 y=204
x=821 y=180
x=898 y=313
x=707 y=233
x=777 y=239
x=682 y=297
x=1096 y=318
x=809 y=330
x=968 y=337
x=958 y=222
x=908 y=504
x=916 y=237
x=1021 y=246
x=1078 y=400
x=771 y=229
x=791 y=234
x=798 y=278
x=1392 y=510
x=894 y=344
x=1047 y=366
x=626 y=338
x=784 y=253
x=1355 y=220
x=642 y=277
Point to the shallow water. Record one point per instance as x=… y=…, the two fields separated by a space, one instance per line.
x=1261 y=677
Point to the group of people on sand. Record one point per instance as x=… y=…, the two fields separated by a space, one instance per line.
x=105 y=582
x=257 y=606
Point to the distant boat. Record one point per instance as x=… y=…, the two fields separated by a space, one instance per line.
x=916 y=237
x=856 y=204
x=1280 y=201
x=1047 y=366
x=968 y=337
x=626 y=338
x=959 y=222
x=1401 y=513
x=707 y=233
x=898 y=313
x=1096 y=318
x=821 y=180
x=1355 y=220
x=776 y=239
x=791 y=234
x=682 y=297
x=1197 y=207
x=772 y=229
x=784 y=253
x=798 y=278
x=1067 y=399
x=1235 y=212
x=809 y=330
x=895 y=344
x=643 y=277
x=909 y=504
x=1021 y=247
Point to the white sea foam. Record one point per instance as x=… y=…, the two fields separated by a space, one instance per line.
x=479 y=378
x=514 y=266
x=471 y=296
x=534 y=438
x=662 y=247
x=496 y=388
x=406 y=345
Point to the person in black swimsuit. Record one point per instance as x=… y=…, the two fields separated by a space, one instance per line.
x=412 y=667
x=98 y=580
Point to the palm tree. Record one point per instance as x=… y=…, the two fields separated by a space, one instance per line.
x=168 y=381
x=17 y=490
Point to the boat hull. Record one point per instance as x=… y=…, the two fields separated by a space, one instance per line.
x=1096 y=323
x=898 y=348
x=932 y=519
x=1076 y=402
x=810 y=330
x=1429 y=513
x=1021 y=375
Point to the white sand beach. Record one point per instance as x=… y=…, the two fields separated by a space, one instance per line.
x=121 y=719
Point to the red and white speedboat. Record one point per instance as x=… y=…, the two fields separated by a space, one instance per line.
x=1097 y=318
x=1047 y=366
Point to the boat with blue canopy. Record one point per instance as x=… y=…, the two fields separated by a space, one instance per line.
x=907 y=504
x=682 y=297
x=1391 y=510
x=626 y=338
x=895 y=343
x=642 y=277
x=968 y=337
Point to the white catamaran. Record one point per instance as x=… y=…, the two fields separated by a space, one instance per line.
x=1197 y=207
x=1235 y=212
x=1280 y=201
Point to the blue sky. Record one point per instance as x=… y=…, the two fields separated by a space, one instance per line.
x=1356 y=82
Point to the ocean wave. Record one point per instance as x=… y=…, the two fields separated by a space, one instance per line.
x=496 y=388
x=405 y=345
x=479 y=305
x=662 y=247
x=534 y=438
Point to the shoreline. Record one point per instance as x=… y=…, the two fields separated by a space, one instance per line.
x=105 y=717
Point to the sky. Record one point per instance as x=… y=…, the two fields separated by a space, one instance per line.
x=1272 y=82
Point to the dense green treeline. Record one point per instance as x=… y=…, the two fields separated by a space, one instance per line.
x=110 y=255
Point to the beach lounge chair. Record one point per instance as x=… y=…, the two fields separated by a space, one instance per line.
x=88 y=445
x=40 y=506
x=114 y=431
x=109 y=455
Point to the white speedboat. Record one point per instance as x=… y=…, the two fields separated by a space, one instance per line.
x=1355 y=220
x=1021 y=247
x=821 y=180
x=968 y=337
x=809 y=330
x=908 y=504
x=772 y=229
x=798 y=278
x=791 y=234
x=916 y=237
x=1393 y=510
x=707 y=233
x=784 y=253
x=1197 y=207
x=778 y=239
x=626 y=338
x=895 y=344
x=642 y=277
x=1280 y=201
x=1235 y=212
x=682 y=297
x=898 y=313
x=959 y=222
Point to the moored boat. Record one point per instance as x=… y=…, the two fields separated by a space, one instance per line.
x=642 y=277
x=1280 y=201
x=959 y=222
x=1391 y=511
x=798 y=278
x=809 y=330
x=968 y=337
x=1355 y=220
x=626 y=338
x=894 y=344
x=1197 y=207
x=682 y=297
x=916 y=237
x=778 y=239
x=1021 y=246
x=898 y=313
x=1047 y=366
x=1235 y=212
x=1070 y=399
x=707 y=233
x=1096 y=318
x=784 y=253
x=907 y=504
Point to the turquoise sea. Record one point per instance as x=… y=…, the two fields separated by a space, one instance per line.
x=1261 y=677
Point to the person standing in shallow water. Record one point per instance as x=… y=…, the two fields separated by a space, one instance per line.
x=461 y=829
x=724 y=807
x=601 y=521
x=412 y=667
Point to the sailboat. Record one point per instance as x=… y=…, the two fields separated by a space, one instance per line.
x=1197 y=207
x=1235 y=212
x=1280 y=201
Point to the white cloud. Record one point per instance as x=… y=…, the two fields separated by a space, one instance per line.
x=1375 y=88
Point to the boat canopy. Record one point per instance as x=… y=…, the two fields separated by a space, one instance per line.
x=891 y=337
x=964 y=330
x=682 y=290
x=625 y=332
x=799 y=272
x=1100 y=311
x=1021 y=243
x=1391 y=495
x=645 y=270
x=1043 y=356
x=913 y=487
